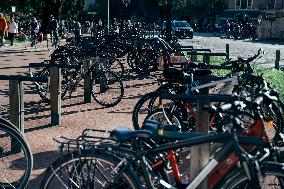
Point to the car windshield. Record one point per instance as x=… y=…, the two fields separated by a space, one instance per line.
x=182 y=24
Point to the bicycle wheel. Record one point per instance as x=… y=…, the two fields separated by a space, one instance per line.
x=148 y=103
x=9 y=124
x=142 y=108
x=272 y=172
x=116 y=66
x=159 y=115
x=107 y=88
x=15 y=158
x=88 y=169
x=43 y=87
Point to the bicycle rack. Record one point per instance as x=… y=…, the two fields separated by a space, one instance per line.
x=16 y=97
x=55 y=86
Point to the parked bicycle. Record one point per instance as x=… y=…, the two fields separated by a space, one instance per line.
x=107 y=87
x=134 y=159
x=240 y=81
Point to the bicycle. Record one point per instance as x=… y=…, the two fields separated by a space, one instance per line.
x=31 y=39
x=107 y=87
x=180 y=82
x=124 y=153
x=16 y=160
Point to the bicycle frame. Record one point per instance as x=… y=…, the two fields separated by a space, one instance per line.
x=192 y=139
x=256 y=129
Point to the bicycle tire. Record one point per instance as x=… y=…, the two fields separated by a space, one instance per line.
x=71 y=164
x=41 y=87
x=238 y=178
x=146 y=104
x=107 y=88
x=16 y=160
x=158 y=115
x=9 y=124
x=272 y=113
x=140 y=112
x=131 y=56
x=116 y=66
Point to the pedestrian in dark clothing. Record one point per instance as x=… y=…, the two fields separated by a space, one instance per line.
x=34 y=30
x=77 y=30
x=53 y=28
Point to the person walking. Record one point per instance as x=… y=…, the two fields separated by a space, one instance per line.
x=53 y=28
x=77 y=30
x=3 y=28
x=12 y=30
x=34 y=30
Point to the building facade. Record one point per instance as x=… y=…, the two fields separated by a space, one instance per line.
x=268 y=13
x=256 y=4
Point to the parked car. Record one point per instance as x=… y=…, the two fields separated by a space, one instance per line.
x=180 y=29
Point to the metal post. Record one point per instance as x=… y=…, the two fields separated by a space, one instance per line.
x=87 y=82
x=108 y=16
x=168 y=20
x=227 y=51
x=277 y=60
x=200 y=154
x=55 y=95
x=46 y=40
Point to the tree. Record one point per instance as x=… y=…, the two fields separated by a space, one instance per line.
x=71 y=9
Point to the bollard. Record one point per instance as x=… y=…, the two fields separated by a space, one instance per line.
x=55 y=95
x=194 y=55
x=87 y=82
x=227 y=51
x=16 y=110
x=16 y=104
x=199 y=155
x=206 y=59
x=277 y=60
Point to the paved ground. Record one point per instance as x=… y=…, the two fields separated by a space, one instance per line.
x=243 y=48
x=76 y=115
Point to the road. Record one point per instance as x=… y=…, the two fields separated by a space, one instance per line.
x=243 y=48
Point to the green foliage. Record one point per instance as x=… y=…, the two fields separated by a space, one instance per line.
x=274 y=77
x=218 y=61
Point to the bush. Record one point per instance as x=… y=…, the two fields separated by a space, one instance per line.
x=274 y=77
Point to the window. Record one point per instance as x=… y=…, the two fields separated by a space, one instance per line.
x=249 y=4
x=237 y=4
x=244 y=4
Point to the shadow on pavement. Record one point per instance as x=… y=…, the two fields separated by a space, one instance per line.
x=41 y=161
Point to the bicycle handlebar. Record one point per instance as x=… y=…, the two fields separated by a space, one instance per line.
x=236 y=63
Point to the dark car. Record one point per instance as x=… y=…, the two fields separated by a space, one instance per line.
x=180 y=29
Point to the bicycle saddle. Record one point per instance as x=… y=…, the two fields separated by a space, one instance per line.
x=123 y=134
x=154 y=126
